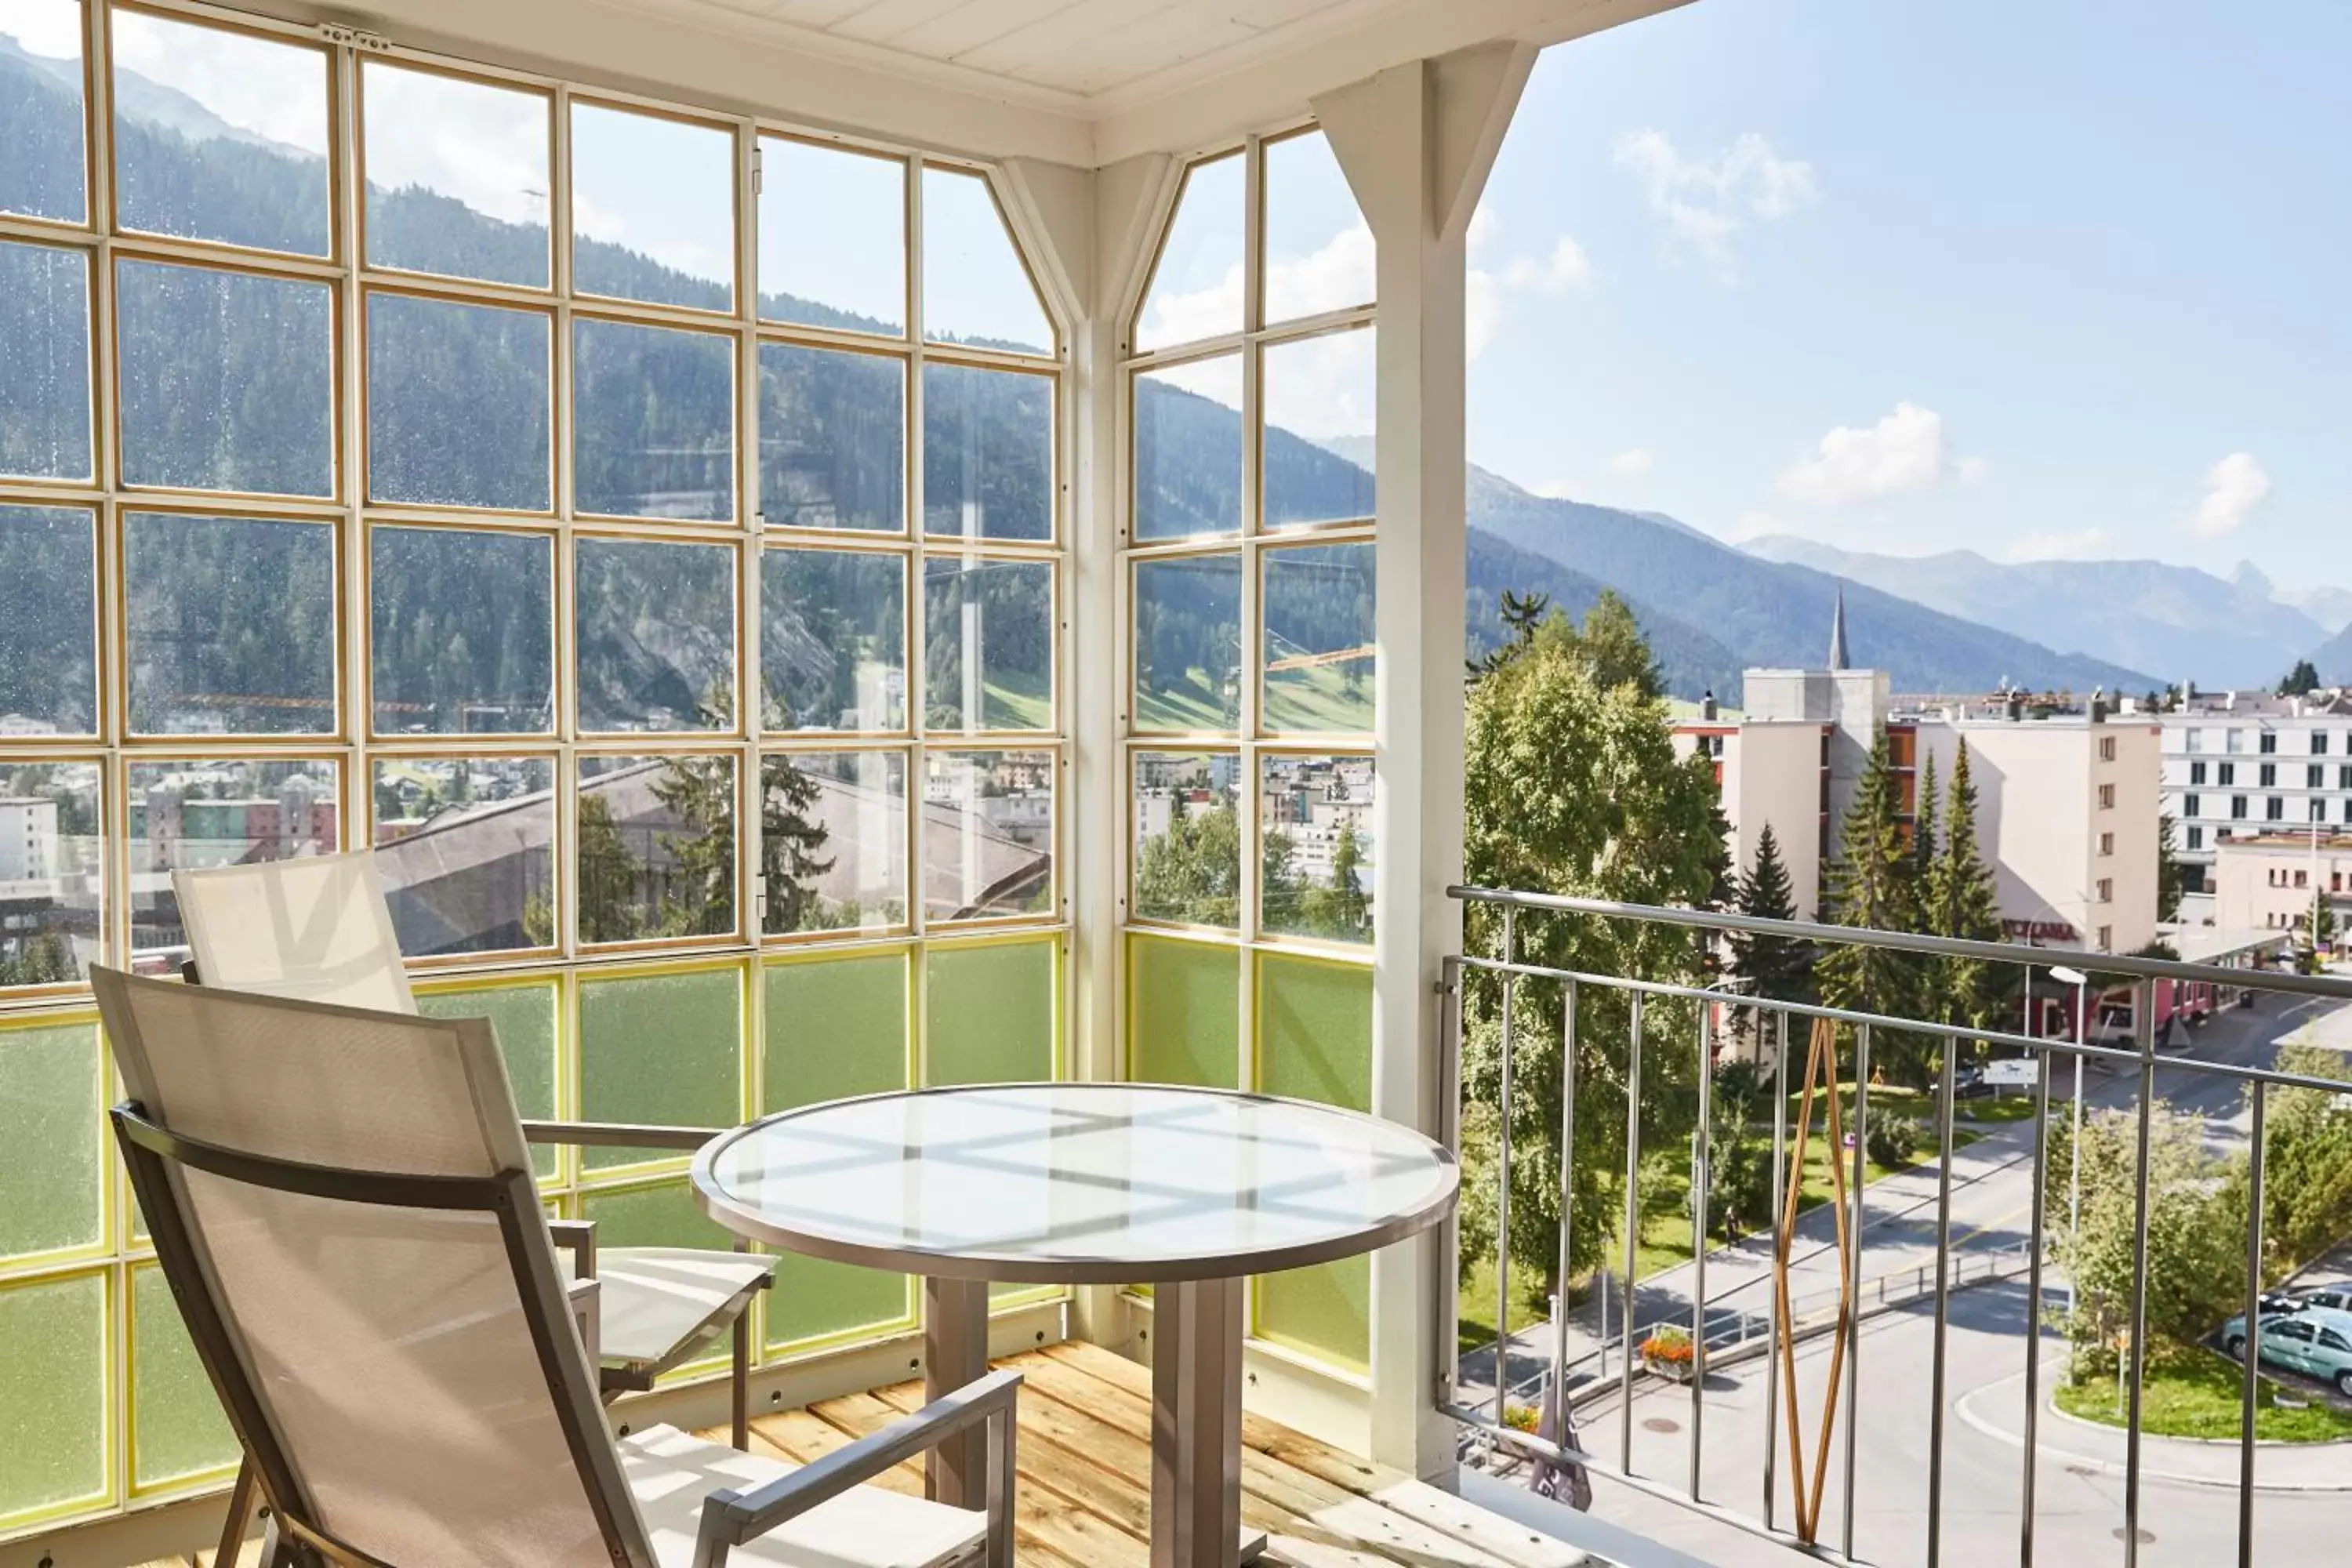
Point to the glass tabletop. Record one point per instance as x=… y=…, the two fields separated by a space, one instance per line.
x=1076 y=1183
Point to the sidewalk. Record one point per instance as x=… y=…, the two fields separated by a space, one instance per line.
x=1997 y=1410
x=1898 y=1237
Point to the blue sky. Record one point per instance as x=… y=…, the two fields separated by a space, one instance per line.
x=2062 y=278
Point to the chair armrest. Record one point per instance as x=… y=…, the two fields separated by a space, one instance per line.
x=731 y=1518
x=587 y=1299
x=618 y=1134
x=578 y=1237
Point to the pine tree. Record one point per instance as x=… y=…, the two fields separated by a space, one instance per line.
x=1961 y=902
x=1779 y=967
x=1923 y=821
x=1872 y=884
x=2171 y=876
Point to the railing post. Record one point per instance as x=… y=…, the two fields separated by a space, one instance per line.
x=1947 y=1080
x=2254 y=1346
x=1632 y=1229
x=1566 y=1202
x=1779 y=1182
x=1445 y=1327
x=1853 y=1325
x=2143 y=1025
x=1702 y=1173
x=1503 y=1181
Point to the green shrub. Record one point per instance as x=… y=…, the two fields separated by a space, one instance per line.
x=1890 y=1139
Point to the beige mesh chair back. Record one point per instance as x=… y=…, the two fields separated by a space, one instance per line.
x=316 y=927
x=342 y=1203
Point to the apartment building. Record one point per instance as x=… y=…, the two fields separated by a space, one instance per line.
x=2271 y=881
x=2250 y=763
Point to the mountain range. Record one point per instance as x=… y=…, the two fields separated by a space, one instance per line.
x=2177 y=621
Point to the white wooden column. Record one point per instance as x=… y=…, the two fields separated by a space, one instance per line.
x=1417 y=142
x=1091 y=232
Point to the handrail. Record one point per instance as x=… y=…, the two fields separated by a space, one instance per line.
x=1910 y=942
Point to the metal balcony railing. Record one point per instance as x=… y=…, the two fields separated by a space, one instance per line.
x=1715 y=1333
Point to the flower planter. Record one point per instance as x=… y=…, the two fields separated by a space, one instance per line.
x=1667 y=1367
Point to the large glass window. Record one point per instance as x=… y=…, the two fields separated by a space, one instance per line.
x=1251 y=652
x=398 y=454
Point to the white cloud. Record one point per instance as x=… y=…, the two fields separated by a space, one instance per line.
x=2234 y=488
x=1634 y=462
x=1701 y=202
x=1901 y=453
x=1342 y=273
x=1483 y=225
x=267 y=89
x=52 y=31
x=1556 y=489
x=1566 y=267
x=2086 y=544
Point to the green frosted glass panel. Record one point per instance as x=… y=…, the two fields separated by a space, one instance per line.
x=835 y=1028
x=1184 y=1013
x=663 y=1048
x=176 y=1424
x=524 y=1019
x=988 y=1013
x=1315 y=1042
x=53 y=1153
x=814 y=1297
x=664 y=1215
x=1325 y=1312
x=52 y=1395
x=1315 y=1030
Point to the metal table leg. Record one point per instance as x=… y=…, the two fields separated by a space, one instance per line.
x=1196 y=1427
x=955 y=1352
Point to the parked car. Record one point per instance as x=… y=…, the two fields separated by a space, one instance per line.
x=1968 y=1083
x=2316 y=1342
x=2337 y=1297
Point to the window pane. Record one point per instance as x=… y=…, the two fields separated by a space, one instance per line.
x=49 y=621
x=231 y=624
x=44 y=361
x=657 y=848
x=177 y=1427
x=833 y=440
x=1319 y=638
x=976 y=287
x=1196 y=287
x=1319 y=249
x=663 y=1213
x=1319 y=398
x=652 y=421
x=220 y=135
x=653 y=208
x=656 y=627
x=53 y=1424
x=1183 y=1012
x=988 y=644
x=54 y=1160
x=988 y=834
x=465 y=849
x=52 y=876
x=833 y=640
x=524 y=1019
x=45 y=171
x=458 y=404
x=834 y=835
x=197 y=814
x=1188 y=635
x=1188 y=846
x=456 y=174
x=227 y=380
x=988 y=453
x=1315 y=816
x=833 y=237
x=1188 y=449
x=462 y=626
x=989 y=1011
x=660 y=1049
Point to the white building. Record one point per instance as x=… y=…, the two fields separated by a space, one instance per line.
x=2241 y=763
x=2269 y=881
x=29 y=838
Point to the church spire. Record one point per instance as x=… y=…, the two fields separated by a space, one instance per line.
x=1837 y=632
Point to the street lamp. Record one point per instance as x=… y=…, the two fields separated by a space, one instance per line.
x=2081 y=982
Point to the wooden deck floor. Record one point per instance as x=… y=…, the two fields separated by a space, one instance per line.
x=1085 y=1459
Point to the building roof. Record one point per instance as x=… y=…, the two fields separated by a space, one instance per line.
x=2208 y=945
x=2303 y=842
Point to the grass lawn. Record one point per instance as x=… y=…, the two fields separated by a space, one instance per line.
x=1666 y=1234
x=1195 y=702
x=1319 y=698
x=2197 y=1395
x=1010 y=700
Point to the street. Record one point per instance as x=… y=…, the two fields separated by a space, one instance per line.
x=2188 y=1511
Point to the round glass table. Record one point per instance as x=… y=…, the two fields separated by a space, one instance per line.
x=1188 y=1190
